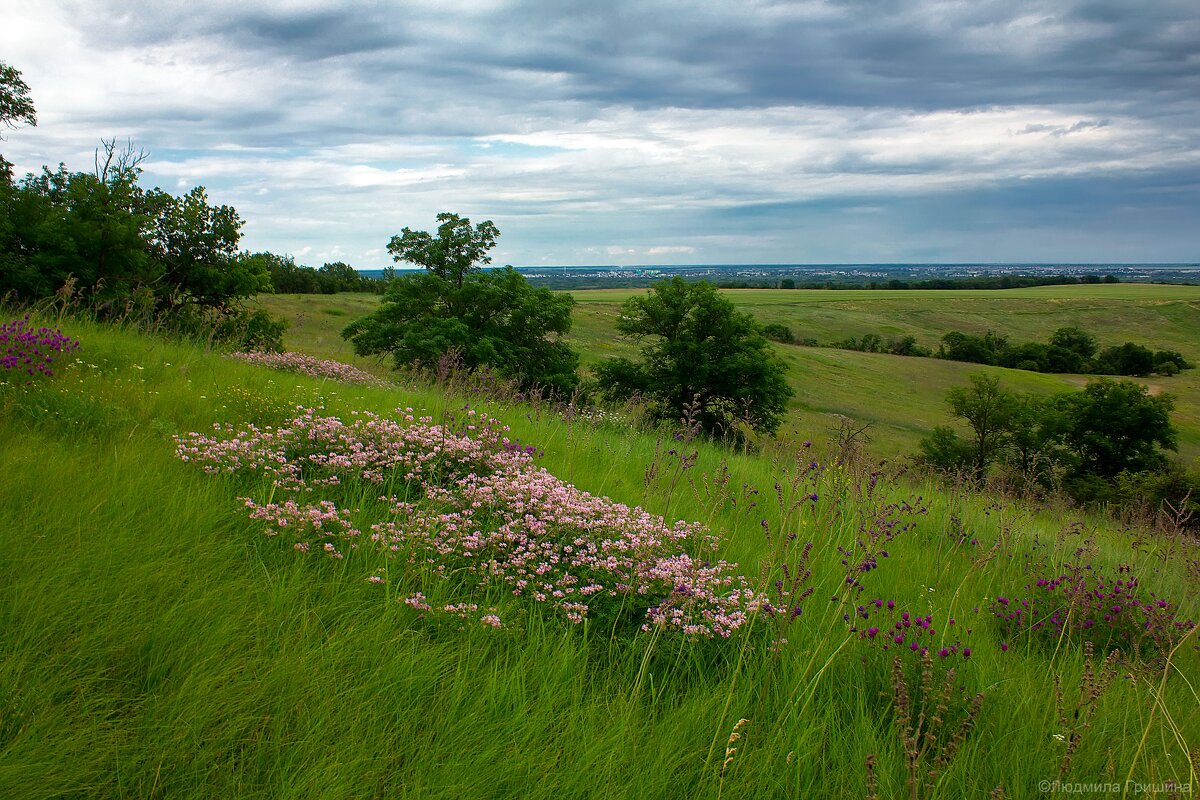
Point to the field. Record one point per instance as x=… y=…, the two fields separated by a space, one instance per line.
x=901 y=398
x=158 y=642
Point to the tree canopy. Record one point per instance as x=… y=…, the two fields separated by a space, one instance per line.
x=1087 y=439
x=456 y=251
x=16 y=106
x=119 y=246
x=697 y=348
x=1118 y=426
x=486 y=318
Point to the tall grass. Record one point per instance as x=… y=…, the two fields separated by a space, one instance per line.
x=156 y=643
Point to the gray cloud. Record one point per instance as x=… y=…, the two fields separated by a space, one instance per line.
x=652 y=117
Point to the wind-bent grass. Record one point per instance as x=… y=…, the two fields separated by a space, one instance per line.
x=155 y=643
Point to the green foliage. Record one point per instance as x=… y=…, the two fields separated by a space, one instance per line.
x=1125 y=359
x=1088 y=437
x=958 y=346
x=697 y=350
x=1076 y=340
x=288 y=277
x=945 y=450
x=895 y=345
x=987 y=410
x=197 y=247
x=1034 y=452
x=457 y=251
x=779 y=333
x=1070 y=350
x=102 y=240
x=493 y=319
x=16 y=106
x=1166 y=359
x=1118 y=426
x=1174 y=491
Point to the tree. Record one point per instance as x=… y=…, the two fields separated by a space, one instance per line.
x=15 y=104
x=493 y=318
x=696 y=348
x=1126 y=359
x=986 y=408
x=779 y=333
x=1034 y=449
x=457 y=251
x=1118 y=426
x=1076 y=340
x=196 y=247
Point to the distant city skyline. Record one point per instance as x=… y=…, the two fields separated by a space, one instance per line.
x=645 y=133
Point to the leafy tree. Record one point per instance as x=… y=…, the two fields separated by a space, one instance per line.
x=987 y=410
x=986 y=349
x=1126 y=359
x=1034 y=449
x=196 y=246
x=779 y=333
x=90 y=225
x=457 y=251
x=1164 y=359
x=493 y=318
x=1118 y=426
x=697 y=348
x=906 y=346
x=1076 y=340
x=16 y=106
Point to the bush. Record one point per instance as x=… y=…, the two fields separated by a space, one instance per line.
x=945 y=450
x=698 y=354
x=779 y=333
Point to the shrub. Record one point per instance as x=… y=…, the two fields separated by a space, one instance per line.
x=779 y=333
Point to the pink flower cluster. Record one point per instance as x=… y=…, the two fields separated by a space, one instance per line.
x=313 y=367
x=478 y=516
x=313 y=451
x=559 y=546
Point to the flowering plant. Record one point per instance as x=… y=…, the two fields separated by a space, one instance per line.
x=32 y=350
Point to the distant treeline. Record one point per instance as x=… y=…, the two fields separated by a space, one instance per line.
x=288 y=277
x=1069 y=350
x=974 y=282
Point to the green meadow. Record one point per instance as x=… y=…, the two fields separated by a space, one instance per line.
x=156 y=642
x=901 y=399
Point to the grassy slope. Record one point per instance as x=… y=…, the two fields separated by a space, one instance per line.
x=153 y=643
x=900 y=397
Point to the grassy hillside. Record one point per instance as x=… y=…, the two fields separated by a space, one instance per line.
x=901 y=398
x=156 y=642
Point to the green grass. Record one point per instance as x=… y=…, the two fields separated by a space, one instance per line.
x=155 y=643
x=901 y=398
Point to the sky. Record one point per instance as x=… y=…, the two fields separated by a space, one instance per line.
x=644 y=131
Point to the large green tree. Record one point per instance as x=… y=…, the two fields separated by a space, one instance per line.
x=488 y=318
x=196 y=246
x=1118 y=426
x=696 y=348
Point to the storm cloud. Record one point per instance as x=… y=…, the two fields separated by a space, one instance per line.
x=646 y=132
